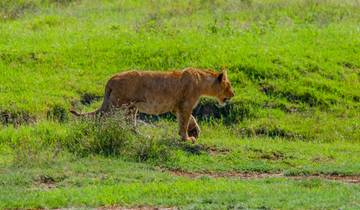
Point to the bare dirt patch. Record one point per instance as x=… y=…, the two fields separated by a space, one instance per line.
x=137 y=208
x=355 y=179
x=212 y=150
x=242 y=175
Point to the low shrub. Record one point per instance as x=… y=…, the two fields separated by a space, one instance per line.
x=58 y=113
x=112 y=135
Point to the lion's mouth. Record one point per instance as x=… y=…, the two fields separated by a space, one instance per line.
x=226 y=100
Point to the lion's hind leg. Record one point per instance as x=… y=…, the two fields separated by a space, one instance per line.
x=130 y=112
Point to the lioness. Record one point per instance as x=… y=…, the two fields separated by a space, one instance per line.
x=159 y=92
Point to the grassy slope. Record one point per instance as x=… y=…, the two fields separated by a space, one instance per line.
x=285 y=59
x=294 y=66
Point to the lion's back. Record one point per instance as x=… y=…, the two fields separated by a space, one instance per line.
x=154 y=92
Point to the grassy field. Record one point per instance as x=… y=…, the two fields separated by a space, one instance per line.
x=288 y=140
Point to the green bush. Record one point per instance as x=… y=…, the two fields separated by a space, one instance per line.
x=113 y=135
x=58 y=113
x=109 y=135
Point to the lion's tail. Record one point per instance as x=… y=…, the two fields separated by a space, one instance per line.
x=105 y=107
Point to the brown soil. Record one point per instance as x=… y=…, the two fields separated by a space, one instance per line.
x=256 y=175
x=137 y=208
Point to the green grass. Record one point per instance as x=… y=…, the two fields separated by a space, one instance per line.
x=98 y=181
x=218 y=150
x=199 y=194
x=294 y=65
x=43 y=174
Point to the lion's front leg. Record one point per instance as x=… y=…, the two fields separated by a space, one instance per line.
x=184 y=118
x=193 y=128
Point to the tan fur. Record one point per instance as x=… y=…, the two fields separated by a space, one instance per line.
x=159 y=92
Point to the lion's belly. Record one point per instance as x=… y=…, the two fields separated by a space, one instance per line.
x=154 y=107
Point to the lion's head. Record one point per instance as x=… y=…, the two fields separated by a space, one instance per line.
x=223 y=89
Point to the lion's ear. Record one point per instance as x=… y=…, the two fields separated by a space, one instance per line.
x=223 y=70
x=220 y=77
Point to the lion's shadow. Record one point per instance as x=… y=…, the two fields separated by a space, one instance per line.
x=188 y=147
